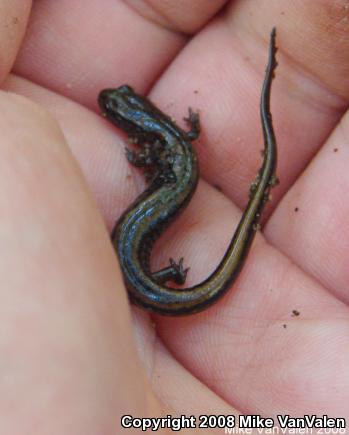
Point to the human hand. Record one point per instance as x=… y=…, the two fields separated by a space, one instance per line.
x=73 y=359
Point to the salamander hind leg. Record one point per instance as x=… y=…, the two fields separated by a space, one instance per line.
x=174 y=272
x=193 y=122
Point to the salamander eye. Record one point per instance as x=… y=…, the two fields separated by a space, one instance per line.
x=105 y=99
x=125 y=90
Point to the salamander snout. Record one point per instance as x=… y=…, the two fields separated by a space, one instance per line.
x=104 y=98
x=122 y=107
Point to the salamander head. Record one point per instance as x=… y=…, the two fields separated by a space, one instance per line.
x=127 y=110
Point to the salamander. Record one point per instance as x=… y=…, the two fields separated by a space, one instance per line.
x=170 y=161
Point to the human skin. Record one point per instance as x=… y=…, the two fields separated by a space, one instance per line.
x=74 y=355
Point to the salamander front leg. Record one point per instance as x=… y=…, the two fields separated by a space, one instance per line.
x=174 y=272
x=143 y=158
x=193 y=122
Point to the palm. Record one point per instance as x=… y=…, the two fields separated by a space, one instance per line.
x=249 y=353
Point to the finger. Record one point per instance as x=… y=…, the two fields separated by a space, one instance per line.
x=98 y=150
x=221 y=72
x=14 y=17
x=311 y=223
x=66 y=334
x=176 y=388
x=275 y=331
x=79 y=48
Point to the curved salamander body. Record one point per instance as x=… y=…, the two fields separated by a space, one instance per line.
x=171 y=162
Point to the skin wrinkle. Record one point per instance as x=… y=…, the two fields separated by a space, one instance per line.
x=182 y=23
x=153 y=15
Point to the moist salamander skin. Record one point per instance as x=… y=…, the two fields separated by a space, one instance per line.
x=171 y=164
